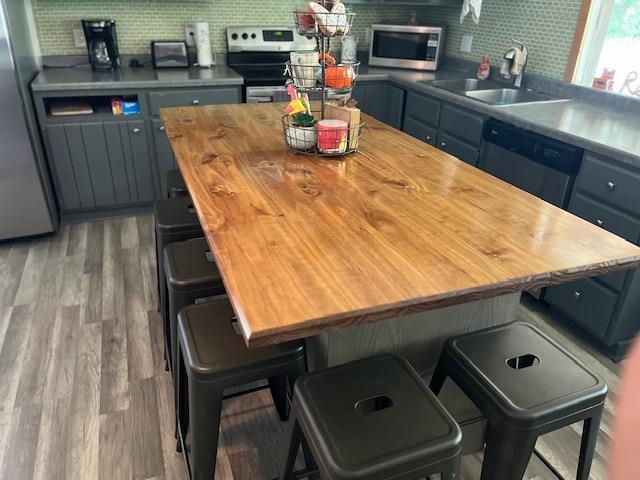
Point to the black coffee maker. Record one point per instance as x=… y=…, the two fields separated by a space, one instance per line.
x=102 y=43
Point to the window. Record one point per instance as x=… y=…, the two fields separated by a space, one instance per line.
x=608 y=39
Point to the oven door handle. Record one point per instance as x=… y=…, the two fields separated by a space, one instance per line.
x=255 y=99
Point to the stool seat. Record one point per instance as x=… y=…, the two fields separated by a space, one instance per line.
x=214 y=348
x=375 y=419
x=190 y=264
x=526 y=385
x=529 y=377
x=212 y=357
x=176 y=215
x=176 y=187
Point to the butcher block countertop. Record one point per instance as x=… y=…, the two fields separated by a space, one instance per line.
x=309 y=244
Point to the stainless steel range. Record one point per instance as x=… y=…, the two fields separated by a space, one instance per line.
x=259 y=54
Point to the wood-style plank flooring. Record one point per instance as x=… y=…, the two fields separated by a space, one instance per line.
x=83 y=390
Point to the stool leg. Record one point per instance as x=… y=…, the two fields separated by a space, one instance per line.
x=590 y=430
x=290 y=454
x=182 y=408
x=439 y=376
x=205 y=406
x=507 y=453
x=278 y=387
x=451 y=471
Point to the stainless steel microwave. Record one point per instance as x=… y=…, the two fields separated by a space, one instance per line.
x=406 y=46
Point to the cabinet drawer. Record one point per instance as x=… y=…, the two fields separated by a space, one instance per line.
x=422 y=109
x=455 y=147
x=616 y=186
x=606 y=217
x=587 y=303
x=185 y=97
x=461 y=124
x=420 y=131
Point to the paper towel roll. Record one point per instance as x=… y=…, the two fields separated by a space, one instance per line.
x=203 y=44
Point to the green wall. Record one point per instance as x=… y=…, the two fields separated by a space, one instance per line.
x=547 y=26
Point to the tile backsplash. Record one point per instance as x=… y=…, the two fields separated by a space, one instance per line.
x=546 y=26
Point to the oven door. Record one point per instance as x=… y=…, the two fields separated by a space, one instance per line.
x=406 y=46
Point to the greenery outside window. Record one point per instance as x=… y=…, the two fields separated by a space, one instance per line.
x=608 y=37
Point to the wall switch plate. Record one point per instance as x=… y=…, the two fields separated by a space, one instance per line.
x=467 y=41
x=78 y=38
x=190 y=36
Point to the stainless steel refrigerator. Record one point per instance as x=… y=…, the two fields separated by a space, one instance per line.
x=27 y=205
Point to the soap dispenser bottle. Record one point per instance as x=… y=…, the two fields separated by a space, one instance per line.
x=484 y=70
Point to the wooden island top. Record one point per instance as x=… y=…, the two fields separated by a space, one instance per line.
x=308 y=244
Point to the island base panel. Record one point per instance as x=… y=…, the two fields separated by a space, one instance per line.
x=420 y=337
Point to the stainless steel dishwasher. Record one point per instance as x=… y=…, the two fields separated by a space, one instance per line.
x=537 y=164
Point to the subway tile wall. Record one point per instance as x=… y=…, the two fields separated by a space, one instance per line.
x=546 y=26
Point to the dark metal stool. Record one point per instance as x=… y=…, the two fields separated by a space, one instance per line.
x=372 y=419
x=212 y=357
x=175 y=184
x=175 y=221
x=526 y=385
x=191 y=274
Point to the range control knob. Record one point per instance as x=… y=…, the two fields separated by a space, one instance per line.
x=234 y=36
x=253 y=36
x=245 y=36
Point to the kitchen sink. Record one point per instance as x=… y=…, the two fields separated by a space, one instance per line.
x=511 y=96
x=462 y=85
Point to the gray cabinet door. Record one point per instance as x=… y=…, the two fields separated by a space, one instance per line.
x=612 y=184
x=462 y=124
x=420 y=131
x=186 y=97
x=588 y=303
x=98 y=165
x=165 y=160
x=383 y=101
x=422 y=109
x=459 y=149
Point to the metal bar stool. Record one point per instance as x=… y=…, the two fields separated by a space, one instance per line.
x=526 y=385
x=213 y=356
x=175 y=221
x=191 y=274
x=175 y=184
x=372 y=419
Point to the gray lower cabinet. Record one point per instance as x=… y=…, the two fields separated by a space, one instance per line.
x=605 y=307
x=458 y=148
x=381 y=100
x=100 y=164
x=451 y=129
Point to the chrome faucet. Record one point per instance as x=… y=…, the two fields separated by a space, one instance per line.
x=514 y=62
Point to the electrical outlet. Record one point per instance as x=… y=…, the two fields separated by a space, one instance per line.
x=190 y=36
x=78 y=38
x=467 y=41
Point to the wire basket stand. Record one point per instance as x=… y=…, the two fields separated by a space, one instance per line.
x=333 y=130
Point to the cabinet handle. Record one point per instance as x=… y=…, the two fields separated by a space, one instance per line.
x=443 y=144
x=599 y=222
x=577 y=295
x=162 y=128
x=196 y=102
x=135 y=131
x=428 y=138
x=611 y=185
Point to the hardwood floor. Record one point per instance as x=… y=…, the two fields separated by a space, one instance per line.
x=83 y=391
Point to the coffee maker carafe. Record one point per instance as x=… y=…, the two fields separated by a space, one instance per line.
x=102 y=43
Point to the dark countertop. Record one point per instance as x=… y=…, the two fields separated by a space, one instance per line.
x=83 y=78
x=613 y=133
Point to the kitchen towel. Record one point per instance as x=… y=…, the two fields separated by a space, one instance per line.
x=472 y=6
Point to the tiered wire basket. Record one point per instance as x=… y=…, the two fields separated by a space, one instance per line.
x=325 y=128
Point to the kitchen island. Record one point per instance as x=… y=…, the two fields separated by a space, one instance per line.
x=394 y=248
x=309 y=245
